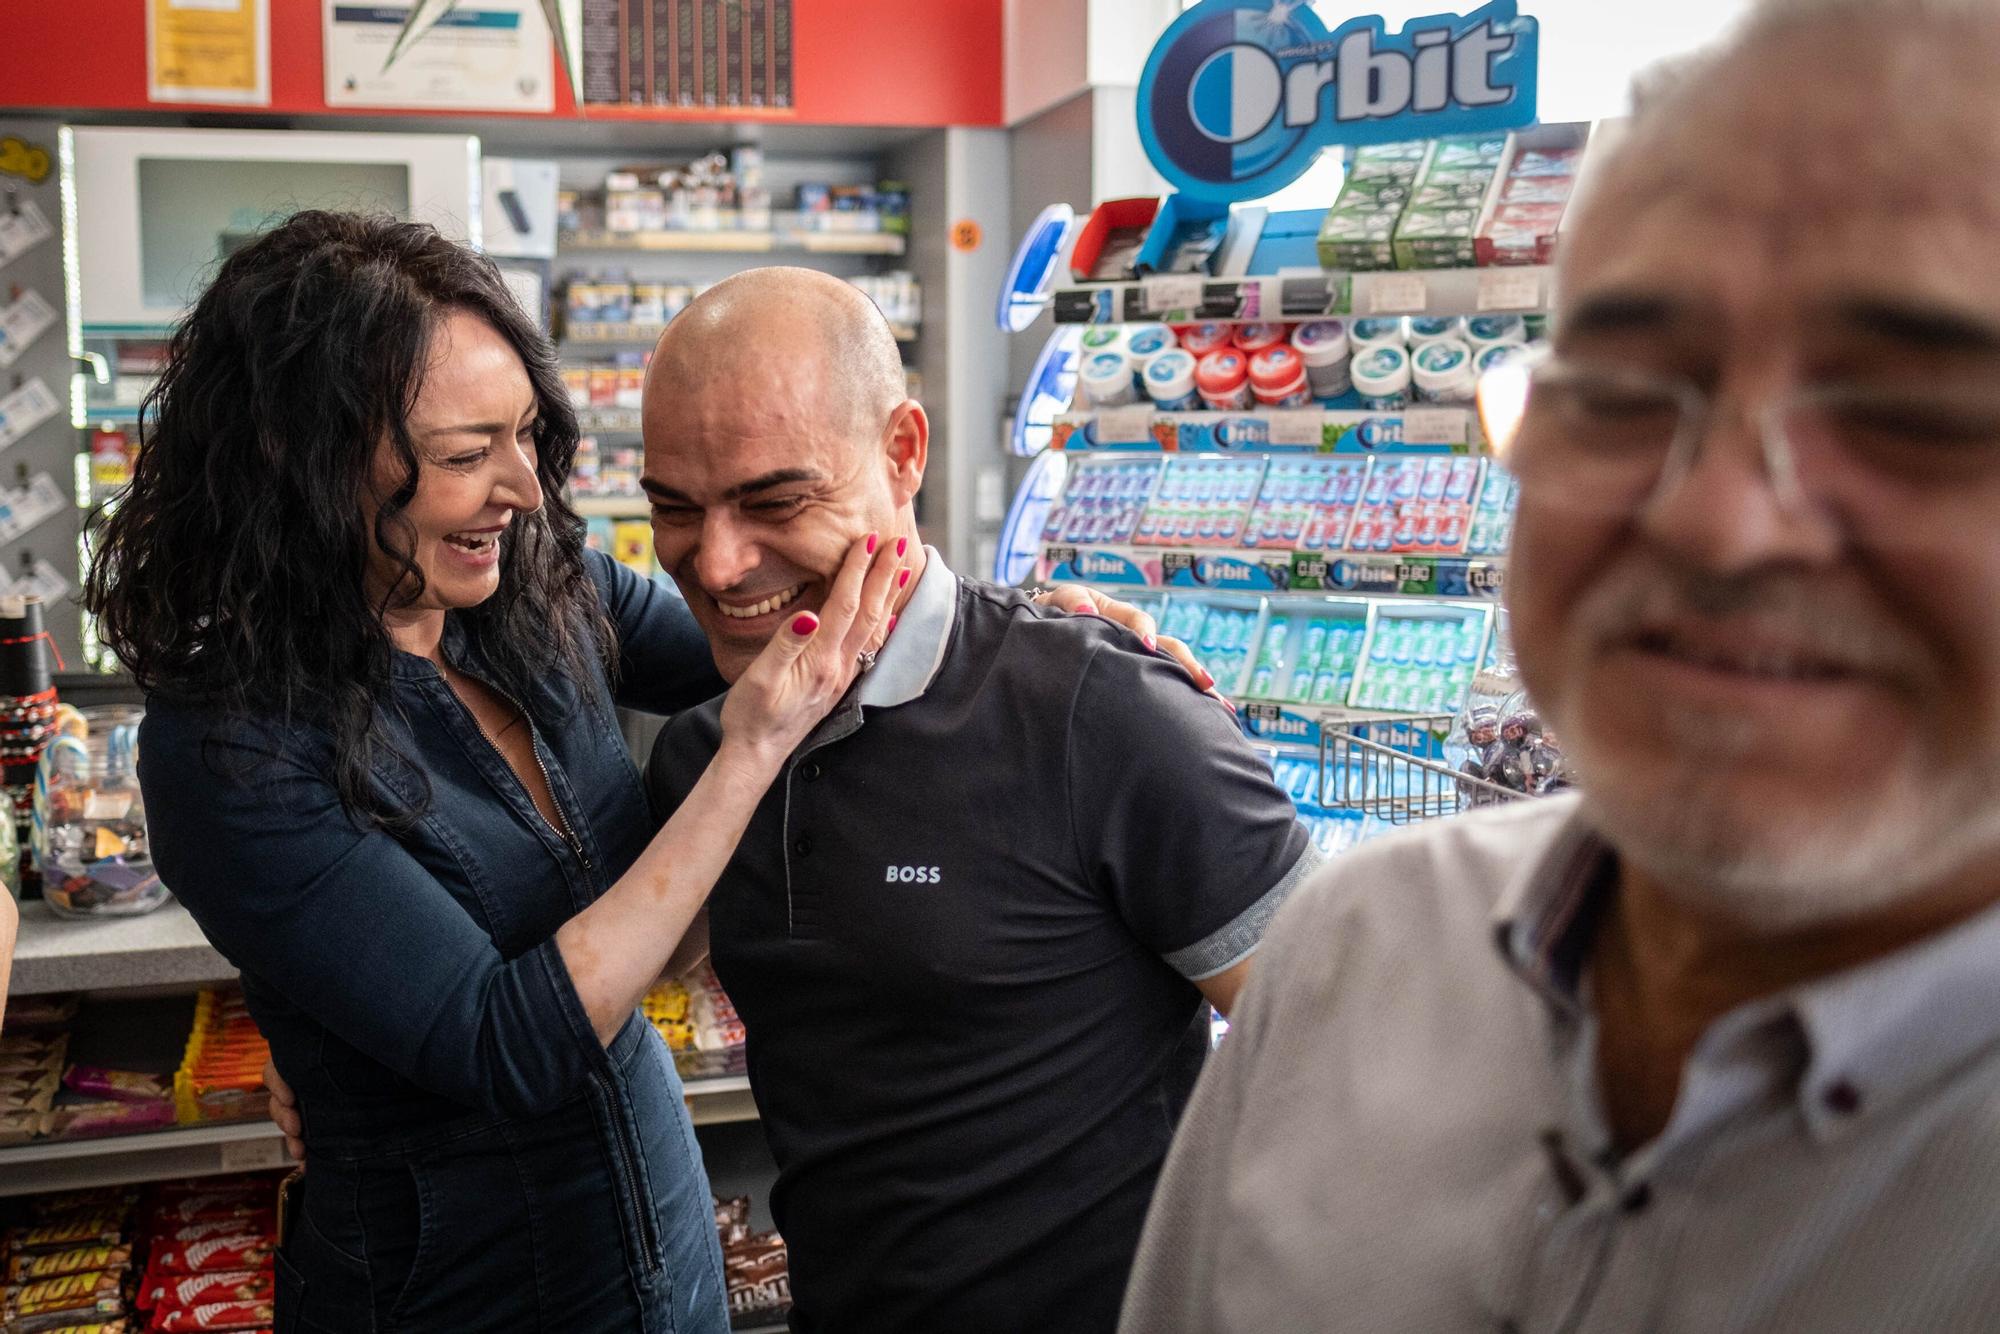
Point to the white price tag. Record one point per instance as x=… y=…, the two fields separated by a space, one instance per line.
x=1297 y=428
x=1398 y=294
x=1164 y=292
x=1435 y=426
x=22 y=323
x=252 y=1155
x=1125 y=426
x=25 y=409
x=22 y=230
x=23 y=508
x=44 y=581
x=1510 y=289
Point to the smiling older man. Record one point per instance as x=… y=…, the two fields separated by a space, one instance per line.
x=1716 y=1048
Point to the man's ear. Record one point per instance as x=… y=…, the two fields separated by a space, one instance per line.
x=908 y=448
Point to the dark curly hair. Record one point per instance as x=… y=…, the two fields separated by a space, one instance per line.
x=233 y=570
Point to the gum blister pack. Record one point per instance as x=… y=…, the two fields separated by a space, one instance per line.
x=1493 y=518
x=1308 y=656
x=1202 y=503
x=1220 y=635
x=1421 y=659
x=1306 y=504
x=1416 y=505
x=1102 y=501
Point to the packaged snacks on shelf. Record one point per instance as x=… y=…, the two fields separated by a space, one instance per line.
x=757 y=1272
x=221 y=1077
x=1537 y=181
x=106 y=1085
x=39 y=1014
x=60 y=1204
x=35 y=1266
x=97 y=1227
x=214 y=1255
x=73 y=1299
x=243 y=1316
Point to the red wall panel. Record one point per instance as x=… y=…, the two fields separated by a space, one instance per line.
x=855 y=62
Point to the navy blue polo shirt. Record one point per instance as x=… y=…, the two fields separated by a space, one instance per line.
x=963 y=932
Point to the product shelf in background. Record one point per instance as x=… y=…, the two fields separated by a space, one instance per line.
x=161 y=948
x=807 y=241
x=1305 y=294
x=1244 y=570
x=242 y=1146
x=595 y=334
x=612 y=507
x=608 y=421
x=1264 y=430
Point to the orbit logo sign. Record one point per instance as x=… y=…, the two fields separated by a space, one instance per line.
x=1240 y=96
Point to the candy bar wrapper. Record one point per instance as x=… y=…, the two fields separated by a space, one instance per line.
x=32 y=1014
x=216 y=1254
x=119 y=1326
x=210 y=1229
x=215 y=1204
x=95 y=1228
x=180 y=1290
x=36 y=1266
x=85 y=1120
x=94 y=1081
x=260 y=1189
x=70 y=1300
x=20 y=1127
x=34 y=1092
x=61 y=1204
x=213 y=1316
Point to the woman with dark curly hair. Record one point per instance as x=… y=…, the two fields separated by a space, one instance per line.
x=384 y=773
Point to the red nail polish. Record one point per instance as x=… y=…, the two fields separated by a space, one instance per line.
x=1152 y=644
x=892 y=628
x=902 y=545
x=902 y=578
x=871 y=545
x=1207 y=679
x=804 y=624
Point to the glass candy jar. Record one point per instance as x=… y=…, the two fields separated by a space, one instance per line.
x=90 y=821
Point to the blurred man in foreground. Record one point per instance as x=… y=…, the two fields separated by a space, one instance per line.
x=1716 y=1047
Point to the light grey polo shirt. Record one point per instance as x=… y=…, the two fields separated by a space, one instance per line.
x=1402 y=1131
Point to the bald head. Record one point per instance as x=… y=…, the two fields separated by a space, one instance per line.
x=786 y=322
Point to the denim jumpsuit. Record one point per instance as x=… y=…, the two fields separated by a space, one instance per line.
x=477 y=1159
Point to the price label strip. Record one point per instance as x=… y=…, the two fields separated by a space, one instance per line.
x=23 y=508
x=1399 y=294
x=1510 y=289
x=1125 y=426
x=1172 y=292
x=25 y=409
x=22 y=323
x=22 y=230
x=43 y=581
x=1435 y=426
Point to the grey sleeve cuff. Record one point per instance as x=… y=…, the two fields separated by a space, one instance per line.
x=1237 y=941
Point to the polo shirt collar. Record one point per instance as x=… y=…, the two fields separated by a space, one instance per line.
x=909 y=661
x=1890 y=1027
x=1873 y=1034
x=1547 y=914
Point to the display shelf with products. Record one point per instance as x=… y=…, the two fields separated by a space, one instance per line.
x=1307 y=294
x=1279 y=455
x=740 y=242
x=588 y=333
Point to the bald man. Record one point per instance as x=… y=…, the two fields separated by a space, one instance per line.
x=970 y=927
x=1714 y=1049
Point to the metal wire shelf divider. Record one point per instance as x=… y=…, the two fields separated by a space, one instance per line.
x=1394 y=768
